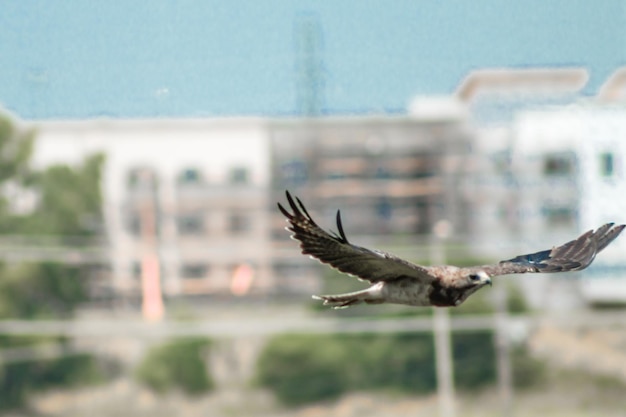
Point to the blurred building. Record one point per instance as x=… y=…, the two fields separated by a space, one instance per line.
x=198 y=196
x=394 y=177
x=191 y=193
x=514 y=153
x=570 y=164
x=494 y=98
x=550 y=168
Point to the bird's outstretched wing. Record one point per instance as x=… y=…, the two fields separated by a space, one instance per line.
x=335 y=250
x=574 y=255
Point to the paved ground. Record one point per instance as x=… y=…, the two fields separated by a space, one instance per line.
x=124 y=398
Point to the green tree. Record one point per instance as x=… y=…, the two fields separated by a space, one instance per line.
x=69 y=200
x=300 y=369
x=69 y=206
x=16 y=147
x=305 y=368
x=67 y=203
x=177 y=364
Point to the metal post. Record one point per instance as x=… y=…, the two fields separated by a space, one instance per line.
x=445 y=370
x=503 y=352
x=441 y=328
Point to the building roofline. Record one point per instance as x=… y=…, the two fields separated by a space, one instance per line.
x=356 y=119
x=159 y=123
x=614 y=88
x=226 y=122
x=533 y=80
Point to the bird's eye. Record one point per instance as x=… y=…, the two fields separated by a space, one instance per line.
x=474 y=277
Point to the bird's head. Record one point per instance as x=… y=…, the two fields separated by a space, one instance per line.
x=458 y=283
x=477 y=278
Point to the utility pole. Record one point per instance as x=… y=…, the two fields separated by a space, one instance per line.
x=441 y=327
x=503 y=351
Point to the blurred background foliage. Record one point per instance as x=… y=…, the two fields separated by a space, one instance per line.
x=18 y=380
x=179 y=364
x=70 y=201
x=302 y=369
x=66 y=201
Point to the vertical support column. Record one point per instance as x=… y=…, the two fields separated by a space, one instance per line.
x=441 y=328
x=503 y=351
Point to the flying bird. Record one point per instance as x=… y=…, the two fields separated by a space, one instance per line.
x=395 y=280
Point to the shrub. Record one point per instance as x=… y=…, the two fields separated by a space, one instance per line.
x=527 y=371
x=474 y=359
x=177 y=364
x=402 y=362
x=306 y=368
x=301 y=369
x=19 y=379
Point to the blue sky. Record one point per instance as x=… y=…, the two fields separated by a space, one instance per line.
x=163 y=58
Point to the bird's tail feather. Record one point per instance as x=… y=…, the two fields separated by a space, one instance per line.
x=350 y=299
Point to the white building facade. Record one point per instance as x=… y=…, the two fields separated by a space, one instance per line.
x=191 y=191
x=570 y=166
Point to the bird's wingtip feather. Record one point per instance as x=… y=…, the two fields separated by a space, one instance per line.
x=283 y=210
x=340 y=227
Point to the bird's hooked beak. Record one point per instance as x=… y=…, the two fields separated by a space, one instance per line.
x=485 y=278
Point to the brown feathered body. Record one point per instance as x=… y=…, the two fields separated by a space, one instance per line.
x=449 y=288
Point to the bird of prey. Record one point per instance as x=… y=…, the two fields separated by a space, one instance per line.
x=398 y=281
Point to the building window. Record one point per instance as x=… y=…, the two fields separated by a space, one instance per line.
x=132 y=178
x=140 y=223
x=142 y=178
x=135 y=270
x=286 y=274
x=190 y=224
x=383 y=209
x=560 y=216
x=238 y=223
x=194 y=270
x=239 y=175
x=294 y=172
x=559 y=165
x=133 y=223
x=190 y=176
x=501 y=162
x=607 y=164
x=336 y=175
x=383 y=173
